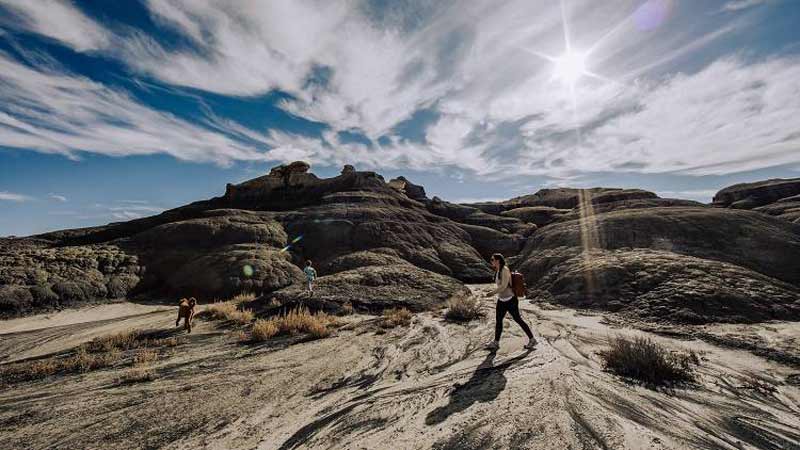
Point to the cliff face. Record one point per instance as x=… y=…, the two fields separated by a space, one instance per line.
x=377 y=244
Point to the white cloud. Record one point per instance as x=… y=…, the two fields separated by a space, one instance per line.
x=58 y=198
x=12 y=197
x=736 y=5
x=43 y=108
x=60 y=20
x=482 y=66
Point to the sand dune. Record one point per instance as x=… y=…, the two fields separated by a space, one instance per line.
x=430 y=385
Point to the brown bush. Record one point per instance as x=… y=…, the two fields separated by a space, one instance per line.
x=300 y=320
x=463 y=309
x=297 y=321
x=243 y=297
x=138 y=375
x=119 y=341
x=228 y=311
x=264 y=329
x=647 y=361
x=144 y=356
x=396 y=317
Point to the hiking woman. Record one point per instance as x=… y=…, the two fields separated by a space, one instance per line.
x=507 y=302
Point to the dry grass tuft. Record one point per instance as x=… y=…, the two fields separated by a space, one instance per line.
x=144 y=356
x=243 y=297
x=463 y=309
x=647 y=361
x=274 y=303
x=396 y=317
x=119 y=341
x=301 y=320
x=102 y=352
x=297 y=321
x=264 y=330
x=228 y=311
x=138 y=375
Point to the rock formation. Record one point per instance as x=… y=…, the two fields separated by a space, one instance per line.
x=777 y=197
x=377 y=244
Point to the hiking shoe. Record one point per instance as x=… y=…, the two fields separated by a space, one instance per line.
x=493 y=345
x=531 y=344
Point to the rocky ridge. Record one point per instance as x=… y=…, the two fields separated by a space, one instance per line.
x=379 y=244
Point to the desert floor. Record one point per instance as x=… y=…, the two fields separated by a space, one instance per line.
x=429 y=385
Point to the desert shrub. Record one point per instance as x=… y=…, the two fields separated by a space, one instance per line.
x=243 y=297
x=642 y=359
x=297 y=321
x=228 y=311
x=138 y=375
x=264 y=329
x=144 y=356
x=463 y=309
x=301 y=320
x=102 y=352
x=396 y=317
x=120 y=341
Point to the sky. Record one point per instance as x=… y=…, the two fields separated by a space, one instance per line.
x=111 y=111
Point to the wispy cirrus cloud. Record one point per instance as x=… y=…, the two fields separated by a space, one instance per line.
x=736 y=5
x=13 y=197
x=57 y=197
x=45 y=108
x=669 y=96
x=59 y=20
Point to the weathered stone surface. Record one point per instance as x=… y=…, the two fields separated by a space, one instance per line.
x=752 y=195
x=413 y=191
x=537 y=215
x=377 y=287
x=226 y=271
x=474 y=216
x=622 y=246
x=662 y=286
x=37 y=277
x=565 y=198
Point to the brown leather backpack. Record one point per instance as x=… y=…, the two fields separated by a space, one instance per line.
x=518 y=285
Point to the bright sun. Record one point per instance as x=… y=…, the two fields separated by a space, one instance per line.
x=570 y=67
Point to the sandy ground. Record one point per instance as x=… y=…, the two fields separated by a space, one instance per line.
x=429 y=385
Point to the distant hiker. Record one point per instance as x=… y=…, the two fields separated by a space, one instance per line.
x=507 y=302
x=186 y=311
x=311 y=275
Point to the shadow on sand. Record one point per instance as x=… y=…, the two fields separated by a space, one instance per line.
x=485 y=384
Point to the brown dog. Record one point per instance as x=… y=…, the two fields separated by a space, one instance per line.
x=186 y=311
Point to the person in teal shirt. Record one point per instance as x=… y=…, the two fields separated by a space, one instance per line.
x=311 y=275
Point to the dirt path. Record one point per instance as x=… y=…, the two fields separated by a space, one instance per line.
x=430 y=385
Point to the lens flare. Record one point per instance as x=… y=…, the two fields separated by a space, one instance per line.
x=293 y=241
x=247 y=270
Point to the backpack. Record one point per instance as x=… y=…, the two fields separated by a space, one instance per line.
x=517 y=284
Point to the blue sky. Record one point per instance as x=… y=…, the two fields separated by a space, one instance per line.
x=116 y=110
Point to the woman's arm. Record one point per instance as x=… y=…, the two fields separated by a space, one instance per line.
x=505 y=278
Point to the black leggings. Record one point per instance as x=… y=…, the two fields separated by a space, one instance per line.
x=509 y=306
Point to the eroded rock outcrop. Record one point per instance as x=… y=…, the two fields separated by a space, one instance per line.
x=778 y=197
x=378 y=245
x=638 y=259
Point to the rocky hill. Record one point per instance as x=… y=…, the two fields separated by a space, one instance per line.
x=380 y=244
